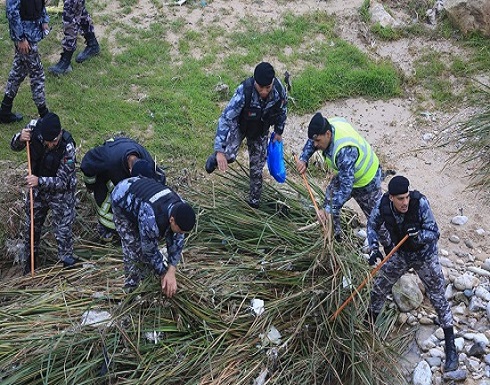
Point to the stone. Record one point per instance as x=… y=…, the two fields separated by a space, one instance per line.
x=469 y=15
x=454 y=239
x=466 y=281
x=477 y=350
x=459 y=220
x=422 y=375
x=456 y=375
x=407 y=294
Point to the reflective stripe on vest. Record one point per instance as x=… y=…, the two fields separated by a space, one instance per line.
x=366 y=164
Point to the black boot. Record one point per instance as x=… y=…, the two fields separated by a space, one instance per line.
x=92 y=49
x=451 y=363
x=6 y=114
x=42 y=110
x=64 y=65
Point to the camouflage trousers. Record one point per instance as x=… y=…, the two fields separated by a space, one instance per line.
x=429 y=271
x=257 y=153
x=135 y=268
x=23 y=65
x=76 y=20
x=62 y=206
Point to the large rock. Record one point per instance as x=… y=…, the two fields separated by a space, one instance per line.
x=470 y=15
x=406 y=293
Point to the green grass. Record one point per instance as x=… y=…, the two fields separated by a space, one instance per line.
x=164 y=94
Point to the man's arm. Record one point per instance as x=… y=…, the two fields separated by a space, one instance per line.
x=429 y=231
x=229 y=119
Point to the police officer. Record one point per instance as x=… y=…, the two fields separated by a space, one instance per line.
x=258 y=103
x=53 y=181
x=76 y=20
x=28 y=24
x=404 y=212
x=354 y=163
x=105 y=166
x=145 y=211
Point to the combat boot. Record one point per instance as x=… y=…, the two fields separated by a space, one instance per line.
x=6 y=114
x=451 y=363
x=92 y=48
x=42 y=110
x=64 y=65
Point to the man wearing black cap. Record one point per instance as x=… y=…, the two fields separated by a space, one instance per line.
x=258 y=103
x=105 y=166
x=354 y=163
x=405 y=212
x=53 y=181
x=145 y=211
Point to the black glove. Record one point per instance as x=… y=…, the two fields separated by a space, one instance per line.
x=374 y=256
x=387 y=249
x=412 y=232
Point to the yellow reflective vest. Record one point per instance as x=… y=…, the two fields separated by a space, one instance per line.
x=367 y=163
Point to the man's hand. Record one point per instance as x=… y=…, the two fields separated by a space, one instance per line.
x=24 y=47
x=32 y=180
x=25 y=135
x=276 y=137
x=301 y=166
x=222 y=162
x=169 y=283
x=374 y=256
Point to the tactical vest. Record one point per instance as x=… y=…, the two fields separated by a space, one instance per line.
x=31 y=9
x=411 y=219
x=367 y=163
x=253 y=122
x=159 y=197
x=44 y=162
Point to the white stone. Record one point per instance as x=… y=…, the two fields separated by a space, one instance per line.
x=476 y=270
x=422 y=375
x=362 y=234
x=443 y=252
x=482 y=293
x=459 y=342
x=480 y=232
x=435 y=352
x=465 y=282
x=258 y=306
x=480 y=338
x=96 y=318
x=459 y=220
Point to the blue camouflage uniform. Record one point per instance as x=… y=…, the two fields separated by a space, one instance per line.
x=230 y=132
x=105 y=166
x=341 y=187
x=26 y=64
x=55 y=191
x=418 y=253
x=141 y=222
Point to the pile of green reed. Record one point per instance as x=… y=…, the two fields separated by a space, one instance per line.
x=208 y=333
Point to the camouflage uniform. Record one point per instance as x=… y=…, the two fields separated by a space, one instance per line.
x=340 y=188
x=55 y=191
x=424 y=261
x=229 y=136
x=137 y=224
x=76 y=20
x=105 y=166
x=30 y=63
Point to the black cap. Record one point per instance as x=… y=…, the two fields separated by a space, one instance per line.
x=264 y=74
x=318 y=125
x=184 y=216
x=144 y=168
x=49 y=126
x=398 y=185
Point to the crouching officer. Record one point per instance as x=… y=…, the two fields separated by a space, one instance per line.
x=404 y=212
x=145 y=211
x=53 y=181
x=105 y=166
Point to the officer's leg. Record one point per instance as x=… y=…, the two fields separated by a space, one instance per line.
x=37 y=77
x=257 y=152
x=384 y=281
x=63 y=214
x=131 y=246
x=430 y=273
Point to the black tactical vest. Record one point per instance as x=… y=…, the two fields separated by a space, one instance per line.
x=44 y=162
x=411 y=219
x=253 y=122
x=159 y=196
x=31 y=9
